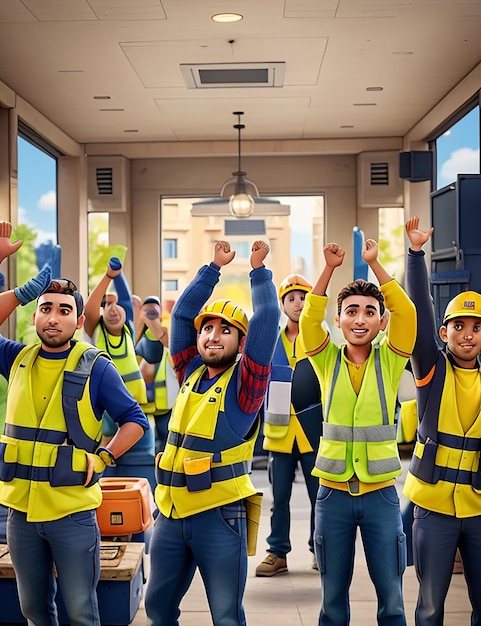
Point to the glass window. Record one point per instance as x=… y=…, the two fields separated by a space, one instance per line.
x=457 y=150
x=170 y=248
x=170 y=285
x=242 y=249
x=37 y=224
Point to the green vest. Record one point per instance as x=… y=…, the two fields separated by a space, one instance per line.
x=359 y=432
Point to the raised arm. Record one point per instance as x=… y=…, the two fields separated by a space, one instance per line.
x=333 y=256
x=7 y=248
x=183 y=335
x=9 y=300
x=426 y=348
x=370 y=255
x=93 y=302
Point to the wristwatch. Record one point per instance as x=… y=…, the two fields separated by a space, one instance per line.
x=106 y=455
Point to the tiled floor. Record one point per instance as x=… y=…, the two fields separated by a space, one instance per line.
x=293 y=598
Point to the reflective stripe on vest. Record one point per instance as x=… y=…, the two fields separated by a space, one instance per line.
x=334 y=462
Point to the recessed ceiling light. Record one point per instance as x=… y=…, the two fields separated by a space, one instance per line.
x=227 y=17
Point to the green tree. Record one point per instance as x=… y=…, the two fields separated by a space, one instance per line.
x=26 y=267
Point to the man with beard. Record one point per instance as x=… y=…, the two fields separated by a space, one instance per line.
x=50 y=459
x=292 y=428
x=203 y=474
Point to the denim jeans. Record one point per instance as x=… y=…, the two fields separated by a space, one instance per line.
x=435 y=539
x=72 y=543
x=217 y=546
x=377 y=515
x=282 y=469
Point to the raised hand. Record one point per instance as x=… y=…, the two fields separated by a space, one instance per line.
x=34 y=287
x=370 y=251
x=260 y=249
x=6 y=246
x=114 y=268
x=223 y=254
x=417 y=238
x=333 y=255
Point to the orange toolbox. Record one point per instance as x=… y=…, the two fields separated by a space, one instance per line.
x=127 y=506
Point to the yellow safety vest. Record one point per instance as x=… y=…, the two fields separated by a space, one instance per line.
x=359 y=433
x=166 y=387
x=205 y=464
x=42 y=471
x=445 y=471
x=122 y=351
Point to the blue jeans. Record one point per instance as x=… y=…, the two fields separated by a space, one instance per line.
x=215 y=545
x=282 y=468
x=73 y=544
x=377 y=514
x=435 y=539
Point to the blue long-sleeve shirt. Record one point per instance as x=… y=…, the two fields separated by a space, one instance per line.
x=107 y=391
x=255 y=362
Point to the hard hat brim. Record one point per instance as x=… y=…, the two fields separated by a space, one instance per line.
x=209 y=315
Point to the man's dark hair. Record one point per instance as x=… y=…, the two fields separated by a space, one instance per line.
x=361 y=287
x=66 y=286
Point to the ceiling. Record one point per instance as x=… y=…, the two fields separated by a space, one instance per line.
x=110 y=70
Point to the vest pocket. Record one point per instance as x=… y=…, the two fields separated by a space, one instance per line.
x=197 y=473
x=332 y=456
x=70 y=468
x=423 y=461
x=8 y=461
x=382 y=457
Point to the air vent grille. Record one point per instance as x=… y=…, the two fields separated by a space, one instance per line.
x=105 y=185
x=379 y=173
x=212 y=75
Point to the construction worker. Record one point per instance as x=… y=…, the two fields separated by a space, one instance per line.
x=291 y=430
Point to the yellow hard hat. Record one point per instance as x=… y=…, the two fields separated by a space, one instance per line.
x=293 y=282
x=465 y=304
x=225 y=309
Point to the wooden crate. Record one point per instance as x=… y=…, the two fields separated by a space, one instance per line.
x=119 y=590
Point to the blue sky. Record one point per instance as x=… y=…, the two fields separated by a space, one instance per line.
x=458 y=149
x=37 y=191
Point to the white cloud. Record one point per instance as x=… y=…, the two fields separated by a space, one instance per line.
x=48 y=201
x=461 y=161
x=42 y=235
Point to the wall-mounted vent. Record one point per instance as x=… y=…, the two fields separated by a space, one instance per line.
x=104 y=177
x=379 y=184
x=379 y=173
x=108 y=183
x=216 y=75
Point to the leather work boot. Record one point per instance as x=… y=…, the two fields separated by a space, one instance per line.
x=271 y=566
